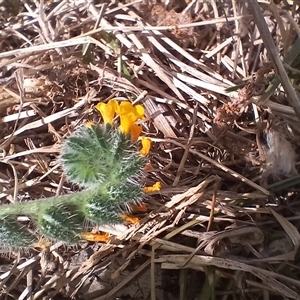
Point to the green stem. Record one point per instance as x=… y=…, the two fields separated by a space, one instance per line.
x=37 y=206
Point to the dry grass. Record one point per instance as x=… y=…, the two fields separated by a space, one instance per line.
x=220 y=84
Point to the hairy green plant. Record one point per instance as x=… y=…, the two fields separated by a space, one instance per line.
x=106 y=164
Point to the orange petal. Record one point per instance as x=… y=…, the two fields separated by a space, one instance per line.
x=130 y=219
x=135 y=132
x=156 y=187
x=129 y=114
x=146 y=145
x=125 y=107
x=140 y=112
x=148 y=167
x=95 y=237
x=126 y=120
x=108 y=110
x=139 y=208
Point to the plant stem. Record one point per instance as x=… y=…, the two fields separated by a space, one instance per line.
x=36 y=206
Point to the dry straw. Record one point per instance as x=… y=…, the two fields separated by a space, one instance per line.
x=216 y=79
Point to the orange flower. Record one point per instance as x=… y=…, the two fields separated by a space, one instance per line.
x=146 y=145
x=156 y=187
x=139 y=207
x=135 y=132
x=129 y=114
x=130 y=219
x=95 y=237
x=108 y=110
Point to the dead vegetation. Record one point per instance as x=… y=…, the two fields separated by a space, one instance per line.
x=219 y=82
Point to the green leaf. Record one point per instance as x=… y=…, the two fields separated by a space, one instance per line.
x=13 y=234
x=61 y=223
x=111 y=40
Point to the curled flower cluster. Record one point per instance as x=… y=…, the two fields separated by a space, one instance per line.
x=106 y=162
